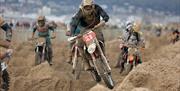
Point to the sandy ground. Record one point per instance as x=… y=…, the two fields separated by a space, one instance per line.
x=160 y=70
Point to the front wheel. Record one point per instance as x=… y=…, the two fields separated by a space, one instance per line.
x=108 y=80
x=95 y=75
x=78 y=68
x=127 y=68
x=6 y=80
x=106 y=76
x=37 y=58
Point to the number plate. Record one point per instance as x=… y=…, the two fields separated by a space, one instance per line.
x=89 y=37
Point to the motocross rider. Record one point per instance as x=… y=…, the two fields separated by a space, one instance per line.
x=175 y=35
x=43 y=28
x=132 y=36
x=75 y=33
x=89 y=17
x=158 y=30
x=6 y=44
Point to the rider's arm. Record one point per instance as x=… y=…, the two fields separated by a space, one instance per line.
x=53 y=33
x=4 y=43
x=141 y=40
x=75 y=22
x=104 y=15
x=8 y=31
x=53 y=28
x=34 y=30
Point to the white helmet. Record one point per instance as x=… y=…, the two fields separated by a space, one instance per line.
x=130 y=22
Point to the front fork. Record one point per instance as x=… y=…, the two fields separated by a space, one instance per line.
x=75 y=58
x=102 y=56
x=43 y=52
x=94 y=62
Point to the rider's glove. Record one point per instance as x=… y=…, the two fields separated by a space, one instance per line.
x=68 y=33
x=9 y=53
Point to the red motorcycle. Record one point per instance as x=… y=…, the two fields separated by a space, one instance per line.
x=129 y=58
x=96 y=57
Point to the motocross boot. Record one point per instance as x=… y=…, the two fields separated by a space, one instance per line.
x=70 y=57
x=50 y=54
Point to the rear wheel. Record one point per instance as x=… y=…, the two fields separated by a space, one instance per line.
x=106 y=76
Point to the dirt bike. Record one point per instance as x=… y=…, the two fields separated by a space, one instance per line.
x=130 y=58
x=41 y=50
x=158 y=33
x=5 y=80
x=96 y=57
x=77 y=61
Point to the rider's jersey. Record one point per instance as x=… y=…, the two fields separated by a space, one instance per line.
x=89 y=21
x=133 y=38
x=8 y=31
x=76 y=31
x=43 y=31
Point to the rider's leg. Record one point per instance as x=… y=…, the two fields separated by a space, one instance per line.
x=139 y=60
x=70 y=54
x=50 y=51
x=50 y=54
x=122 y=58
x=118 y=61
x=100 y=38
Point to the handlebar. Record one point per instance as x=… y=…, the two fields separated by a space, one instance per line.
x=79 y=35
x=30 y=39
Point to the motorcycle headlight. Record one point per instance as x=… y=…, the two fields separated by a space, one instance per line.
x=91 y=48
x=131 y=57
x=40 y=43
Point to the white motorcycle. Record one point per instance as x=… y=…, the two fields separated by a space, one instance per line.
x=41 y=50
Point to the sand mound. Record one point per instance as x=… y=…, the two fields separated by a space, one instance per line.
x=40 y=78
x=99 y=87
x=159 y=74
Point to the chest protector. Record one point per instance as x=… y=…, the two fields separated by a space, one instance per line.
x=134 y=38
x=42 y=29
